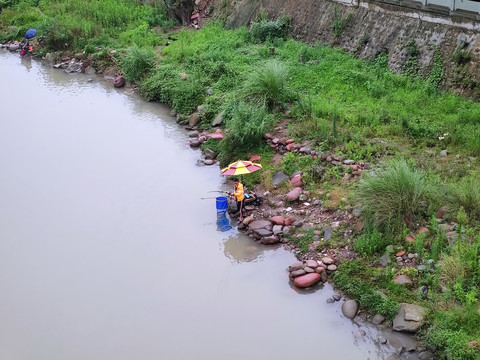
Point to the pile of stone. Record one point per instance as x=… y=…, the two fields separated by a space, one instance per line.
x=307 y=273
x=283 y=145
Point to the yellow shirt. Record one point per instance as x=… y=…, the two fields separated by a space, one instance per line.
x=239 y=192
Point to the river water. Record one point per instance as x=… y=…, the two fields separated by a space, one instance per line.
x=108 y=252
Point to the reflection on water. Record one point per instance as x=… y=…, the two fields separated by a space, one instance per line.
x=241 y=249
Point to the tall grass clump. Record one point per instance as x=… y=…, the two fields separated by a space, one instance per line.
x=246 y=126
x=268 y=84
x=137 y=62
x=396 y=195
x=466 y=194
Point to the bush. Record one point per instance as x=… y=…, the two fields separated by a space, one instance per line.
x=137 y=63
x=246 y=126
x=268 y=84
x=466 y=194
x=396 y=195
x=166 y=86
x=266 y=29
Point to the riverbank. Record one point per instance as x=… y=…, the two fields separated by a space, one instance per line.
x=377 y=157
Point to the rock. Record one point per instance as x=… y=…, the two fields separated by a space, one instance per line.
x=297 y=273
x=192 y=134
x=195 y=143
x=296 y=181
x=194 y=119
x=400 y=253
x=328 y=233
x=277 y=229
x=440 y=214
x=298 y=223
x=307 y=280
x=332 y=267
x=293 y=194
x=349 y=162
x=319 y=269
x=248 y=220
x=303 y=197
x=263 y=232
x=409 y=239
x=288 y=222
x=350 y=308
x=409 y=318
x=209 y=162
x=255 y=158
x=443 y=153
x=378 y=319
x=393 y=357
x=74 y=67
x=296 y=266
x=426 y=355
x=384 y=260
x=311 y=263
x=308 y=270
x=382 y=340
x=359 y=333
x=327 y=260
x=279 y=178
x=13 y=47
x=269 y=240
x=119 y=82
x=423 y=229
x=278 y=220
x=402 y=280
x=218 y=119
x=216 y=136
x=209 y=154
x=260 y=224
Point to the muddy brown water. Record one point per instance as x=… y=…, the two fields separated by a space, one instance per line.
x=107 y=251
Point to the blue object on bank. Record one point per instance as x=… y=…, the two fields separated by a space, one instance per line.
x=222 y=221
x=30 y=33
x=222 y=204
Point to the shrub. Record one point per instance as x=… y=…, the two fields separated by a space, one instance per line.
x=246 y=126
x=268 y=84
x=137 y=62
x=265 y=29
x=466 y=194
x=396 y=195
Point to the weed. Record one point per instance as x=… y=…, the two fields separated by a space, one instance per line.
x=268 y=84
x=339 y=22
x=464 y=195
x=396 y=195
x=371 y=242
x=136 y=63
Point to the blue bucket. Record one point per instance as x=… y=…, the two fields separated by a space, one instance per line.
x=222 y=204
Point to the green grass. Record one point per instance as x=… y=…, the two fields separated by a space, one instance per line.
x=396 y=195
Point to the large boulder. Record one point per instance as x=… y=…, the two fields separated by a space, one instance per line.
x=409 y=318
x=350 y=309
x=307 y=280
x=260 y=224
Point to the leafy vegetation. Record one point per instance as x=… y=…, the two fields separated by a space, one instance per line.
x=396 y=195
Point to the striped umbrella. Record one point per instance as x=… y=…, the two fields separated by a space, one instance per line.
x=241 y=167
